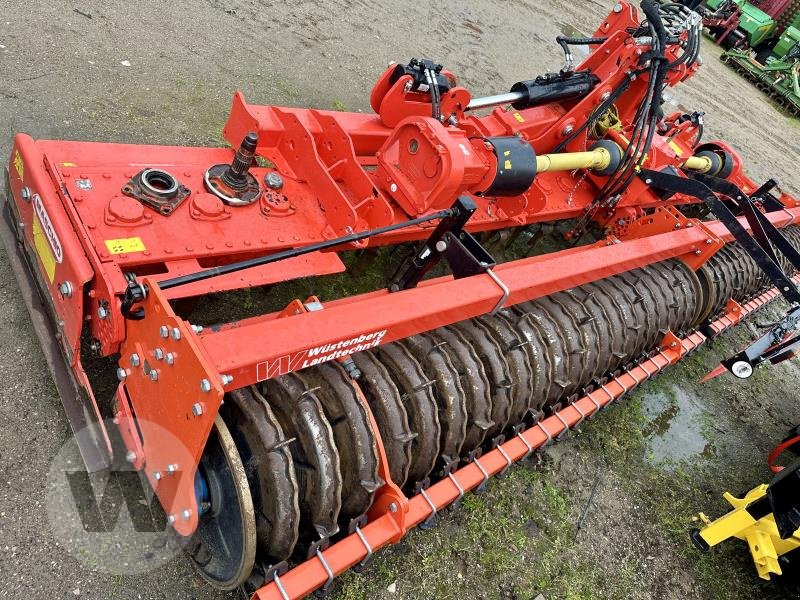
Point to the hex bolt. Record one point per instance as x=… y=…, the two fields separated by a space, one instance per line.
x=197 y=409
x=122 y=374
x=172 y=469
x=568 y=130
x=130 y=456
x=153 y=375
x=163 y=331
x=102 y=312
x=65 y=289
x=605 y=96
x=158 y=353
x=25 y=193
x=135 y=360
x=205 y=386
x=169 y=358
x=441 y=246
x=156 y=475
x=197 y=328
x=393 y=507
x=171 y=519
x=95 y=346
x=186 y=514
x=176 y=333
x=273 y=181
x=226 y=379
x=393 y=188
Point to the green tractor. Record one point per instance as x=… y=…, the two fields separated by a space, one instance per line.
x=777 y=76
x=762 y=43
x=737 y=23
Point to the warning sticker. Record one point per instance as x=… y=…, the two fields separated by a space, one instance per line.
x=519 y=117
x=43 y=249
x=125 y=245
x=19 y=165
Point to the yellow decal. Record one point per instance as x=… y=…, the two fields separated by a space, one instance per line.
x=519 y=118
x=19 y=165
x=68 y=165
x=676 y=148
x=507 y=153
x=125 y=245
x=508 y=166
x=43 y=249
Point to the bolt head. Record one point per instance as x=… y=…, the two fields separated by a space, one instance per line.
x=197 y=409
x=153 y=375
x=568 y=130
x=186 y=514
x=441 y=246
x=65 y=289
x=102 y=312
x=171 y=519
x=135 y=360
x=172 y=469
x=169 y=358
x=158 y=353
x=130 y=456
x=25 y=193
x=205 y=386
x=176 y=333
x=197 y=328
x=227 y=379
x=95 y=346
x=122 y=374
x=157 y=476
x=273 y=181
x=393 y=188
x=742 y=369
x=163 y=331
x=605 y=96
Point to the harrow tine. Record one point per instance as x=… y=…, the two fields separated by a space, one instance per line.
x=460 y=489
x=431 y=520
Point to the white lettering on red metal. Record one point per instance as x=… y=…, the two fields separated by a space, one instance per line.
x=317 y=355
x=48 y=229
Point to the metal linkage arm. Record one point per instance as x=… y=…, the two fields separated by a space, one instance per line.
x=449 y=240
x=756 y=244
x=779 y=343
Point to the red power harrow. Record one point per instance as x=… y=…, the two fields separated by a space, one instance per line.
x=348 y=421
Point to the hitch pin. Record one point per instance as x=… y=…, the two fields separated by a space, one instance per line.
x=502 y=287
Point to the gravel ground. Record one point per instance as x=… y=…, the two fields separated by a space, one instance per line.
x=164 y=72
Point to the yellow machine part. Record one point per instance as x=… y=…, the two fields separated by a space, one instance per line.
x=761 y=535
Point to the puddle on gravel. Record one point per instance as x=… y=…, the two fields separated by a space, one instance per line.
x=675 y=428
